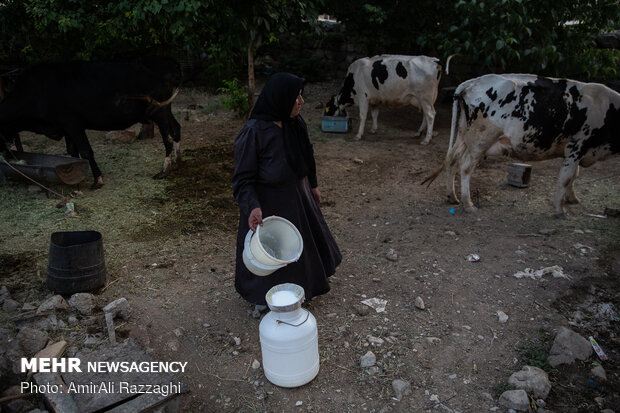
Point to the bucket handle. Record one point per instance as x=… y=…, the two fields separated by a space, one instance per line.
x=295 y=325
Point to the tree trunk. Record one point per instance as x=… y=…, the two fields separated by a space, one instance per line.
x=251 y=79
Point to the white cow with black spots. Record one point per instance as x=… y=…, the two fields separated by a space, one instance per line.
x=530 y=118
x=390 y=80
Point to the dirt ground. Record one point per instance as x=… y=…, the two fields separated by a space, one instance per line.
x=170 y=252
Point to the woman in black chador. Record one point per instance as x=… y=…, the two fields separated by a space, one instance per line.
x=275 y=174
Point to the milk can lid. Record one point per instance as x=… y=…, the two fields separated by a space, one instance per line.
x=285 y=297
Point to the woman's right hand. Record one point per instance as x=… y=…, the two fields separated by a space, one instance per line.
x=255 y=219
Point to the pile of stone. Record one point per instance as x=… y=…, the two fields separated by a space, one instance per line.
x=53 y=327
x=532 y=385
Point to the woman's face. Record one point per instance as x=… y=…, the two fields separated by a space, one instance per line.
x=297 y=106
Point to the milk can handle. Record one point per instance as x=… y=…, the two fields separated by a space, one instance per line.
x=295 y=325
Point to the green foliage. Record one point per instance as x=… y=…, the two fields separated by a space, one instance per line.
x=237 y=97
x=534 y=353
x=549 y=37
x=544 y=36
x=68 y=29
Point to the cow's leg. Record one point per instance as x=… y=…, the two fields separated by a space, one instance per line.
x=363 y=114
x=175 y=129
x=167 y=167
x=163 y=122
x=568 y=174
x=468 y=164
x=429 y=119
x=147 y=131
x=422 y=127
x=76 y=139
x=570 y=197
x=374 y=113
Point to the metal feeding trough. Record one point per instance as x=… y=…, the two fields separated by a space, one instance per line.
x=48 y=168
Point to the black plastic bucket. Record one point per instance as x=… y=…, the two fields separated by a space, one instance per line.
x=75 y=263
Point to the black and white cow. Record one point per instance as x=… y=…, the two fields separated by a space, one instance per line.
x=390 y=80
x=65 y=98
x=531 y=118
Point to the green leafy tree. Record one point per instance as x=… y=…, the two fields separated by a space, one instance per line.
x=254 y=23
x=553 y=37
x=548 y=37
x=67 y=29
x=540 y=36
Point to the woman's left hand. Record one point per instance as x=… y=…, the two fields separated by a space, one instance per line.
x=317 y=194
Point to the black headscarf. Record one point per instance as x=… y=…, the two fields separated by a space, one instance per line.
x=275 y=103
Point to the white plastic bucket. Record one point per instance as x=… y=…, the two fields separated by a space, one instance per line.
x=274 y=244
x=289 y=338
x=254 y=265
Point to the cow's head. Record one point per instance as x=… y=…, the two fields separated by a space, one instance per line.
x=337 y=104
x=333 y=108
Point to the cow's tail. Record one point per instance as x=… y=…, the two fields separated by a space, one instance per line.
x=448 y=61
x=452 y=149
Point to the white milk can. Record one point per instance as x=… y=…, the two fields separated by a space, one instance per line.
x=289 y=338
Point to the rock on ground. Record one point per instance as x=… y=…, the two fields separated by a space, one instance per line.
x=4 y=294
x=599 y=372
x=515 y=399
x=533 y=380
x=10 y=356
x=502 y=317
x=368 y=360
x=567 y=347
x=391 y=255
x=9 y=305
x=118 y=308
x=53 y=303
x=122 y=136
x=31 y=340
x=401 y=388
x=83 y=303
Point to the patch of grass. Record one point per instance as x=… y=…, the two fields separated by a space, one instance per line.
x=535 y=353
